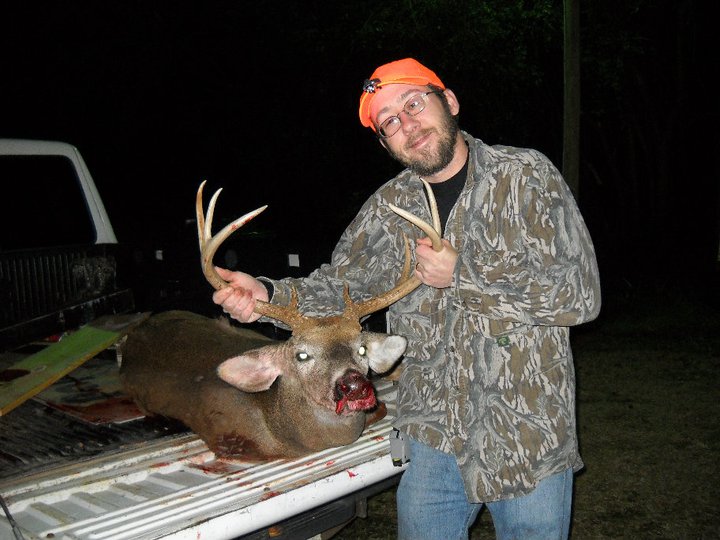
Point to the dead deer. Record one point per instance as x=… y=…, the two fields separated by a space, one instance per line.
x=250 y=397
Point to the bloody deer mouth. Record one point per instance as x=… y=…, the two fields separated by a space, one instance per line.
x=355 y=392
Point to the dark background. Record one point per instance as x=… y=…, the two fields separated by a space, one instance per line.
x=261 y=99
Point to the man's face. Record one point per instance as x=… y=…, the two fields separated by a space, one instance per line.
x=425 y=143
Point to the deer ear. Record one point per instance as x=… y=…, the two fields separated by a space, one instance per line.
x=384 y=350
x=253 y=371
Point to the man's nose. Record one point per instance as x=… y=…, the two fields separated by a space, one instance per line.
x=408 y=122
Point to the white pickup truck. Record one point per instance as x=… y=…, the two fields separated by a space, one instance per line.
x=76 y=461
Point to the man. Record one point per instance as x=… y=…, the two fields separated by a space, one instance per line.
x=487 y=391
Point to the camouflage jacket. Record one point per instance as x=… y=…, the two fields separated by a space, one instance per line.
x=488 y=373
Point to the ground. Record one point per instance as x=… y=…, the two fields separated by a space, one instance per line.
x=648 y=408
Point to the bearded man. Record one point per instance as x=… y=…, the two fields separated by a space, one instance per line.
x=486 y=397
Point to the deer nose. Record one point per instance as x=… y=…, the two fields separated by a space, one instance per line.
x=353 y=385
x=354 y=391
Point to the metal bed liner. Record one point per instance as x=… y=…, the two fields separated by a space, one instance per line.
x=175 y=488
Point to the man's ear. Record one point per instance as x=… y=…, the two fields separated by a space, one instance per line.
x=383 y=143
x=452 y=101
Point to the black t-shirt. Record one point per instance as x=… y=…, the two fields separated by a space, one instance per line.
x=447 y=193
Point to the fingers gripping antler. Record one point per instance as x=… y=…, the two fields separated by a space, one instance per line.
x=209 y=245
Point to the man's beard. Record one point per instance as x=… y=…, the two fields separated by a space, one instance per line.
x=426 y=162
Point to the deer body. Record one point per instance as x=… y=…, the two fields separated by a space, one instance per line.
x=248 y=396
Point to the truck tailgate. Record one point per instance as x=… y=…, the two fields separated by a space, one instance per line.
x=176 y=488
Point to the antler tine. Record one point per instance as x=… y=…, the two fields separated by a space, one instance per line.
x=205 y=256
x=209 y=245
x=434 y=231
x=407 y=283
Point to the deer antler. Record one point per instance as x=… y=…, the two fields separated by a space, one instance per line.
x=407 y=283
x=209 y=245
x=290 y=314
x=433 y=231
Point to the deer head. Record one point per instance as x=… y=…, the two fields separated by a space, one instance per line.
x=321 y=334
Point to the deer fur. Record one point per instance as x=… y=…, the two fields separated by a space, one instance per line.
x=249 y=396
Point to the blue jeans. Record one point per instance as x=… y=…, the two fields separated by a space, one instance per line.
x=432 y=504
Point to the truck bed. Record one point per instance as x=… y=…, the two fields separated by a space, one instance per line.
x=77 y=460
x=174 y=487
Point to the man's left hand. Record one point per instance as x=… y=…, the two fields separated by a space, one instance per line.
x=435 y=268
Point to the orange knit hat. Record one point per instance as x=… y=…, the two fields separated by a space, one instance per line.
x=406 y=71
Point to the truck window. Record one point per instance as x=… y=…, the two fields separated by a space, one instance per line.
x=47 y=207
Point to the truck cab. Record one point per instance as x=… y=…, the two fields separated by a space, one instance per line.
x=58 y=251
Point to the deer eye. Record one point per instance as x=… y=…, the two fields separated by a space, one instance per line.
x=302 y=356
x=362 y=351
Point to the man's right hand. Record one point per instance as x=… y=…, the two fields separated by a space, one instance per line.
x=238 y=298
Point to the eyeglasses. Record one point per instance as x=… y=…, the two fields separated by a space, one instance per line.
x=413 y=106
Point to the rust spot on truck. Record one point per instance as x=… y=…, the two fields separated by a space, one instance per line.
x=269 y=495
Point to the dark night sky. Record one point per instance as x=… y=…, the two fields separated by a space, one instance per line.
x=261 y=99
x=159 y=97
